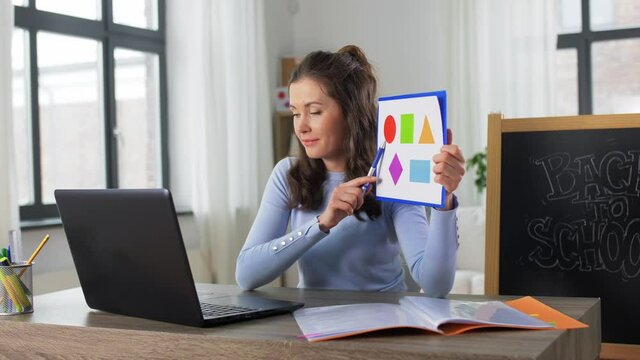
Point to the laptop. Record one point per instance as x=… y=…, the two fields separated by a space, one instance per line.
x=128 y=251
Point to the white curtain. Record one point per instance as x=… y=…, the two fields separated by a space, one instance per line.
x=219 y=100
x=9 y=218
x=501 y=59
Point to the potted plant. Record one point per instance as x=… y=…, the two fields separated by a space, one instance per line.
x=478 y=163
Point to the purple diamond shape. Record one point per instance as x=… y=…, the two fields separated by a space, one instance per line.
x=395 y=169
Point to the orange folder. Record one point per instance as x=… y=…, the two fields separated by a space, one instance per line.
x=537 y=309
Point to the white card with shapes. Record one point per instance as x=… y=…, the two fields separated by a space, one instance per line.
x=414 y=129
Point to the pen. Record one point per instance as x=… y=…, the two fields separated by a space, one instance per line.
x=15 y=243
x=374 y=166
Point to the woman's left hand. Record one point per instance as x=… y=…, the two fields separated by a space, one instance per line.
x=449 y=168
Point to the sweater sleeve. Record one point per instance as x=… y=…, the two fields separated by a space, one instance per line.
x=268 y=251
x=428 y=247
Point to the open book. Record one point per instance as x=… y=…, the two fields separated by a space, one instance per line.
x=447 y=317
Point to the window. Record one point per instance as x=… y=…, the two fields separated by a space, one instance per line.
x=597 y=59
x=89 y=98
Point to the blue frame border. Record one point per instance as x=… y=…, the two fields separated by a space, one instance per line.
x=442 y=101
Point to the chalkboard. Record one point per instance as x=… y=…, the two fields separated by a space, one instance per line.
x=569 y=214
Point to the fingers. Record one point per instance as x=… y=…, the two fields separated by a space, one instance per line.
x=358 y=182
x=449 y=137
x=353 y=196
x=449 y=166
x=354 y=187
x=449 y=150
x=345 y=200
x=343 y=206
x=450 y=182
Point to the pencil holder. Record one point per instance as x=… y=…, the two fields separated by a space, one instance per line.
x=16 y=289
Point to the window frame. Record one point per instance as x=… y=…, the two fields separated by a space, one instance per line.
x=582 y=41
x=111 y=35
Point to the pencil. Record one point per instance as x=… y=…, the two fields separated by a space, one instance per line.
x=35 y=253
x=37 y=250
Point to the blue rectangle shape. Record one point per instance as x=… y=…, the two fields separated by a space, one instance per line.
x=419 y=171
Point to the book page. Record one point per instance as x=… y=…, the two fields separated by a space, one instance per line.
x=443 y=311
x=330 y=322
x=431 y=319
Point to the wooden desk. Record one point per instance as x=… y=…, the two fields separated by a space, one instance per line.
x=63 y=326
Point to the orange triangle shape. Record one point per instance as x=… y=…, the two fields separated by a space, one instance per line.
x=426 y=137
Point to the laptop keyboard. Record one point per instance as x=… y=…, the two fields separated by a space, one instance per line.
x=216 y=310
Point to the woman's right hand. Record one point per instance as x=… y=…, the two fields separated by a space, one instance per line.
x=345 y=200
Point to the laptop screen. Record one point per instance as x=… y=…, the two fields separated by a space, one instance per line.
x=128 y=251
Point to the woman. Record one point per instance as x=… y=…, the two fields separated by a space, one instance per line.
x=342 y=238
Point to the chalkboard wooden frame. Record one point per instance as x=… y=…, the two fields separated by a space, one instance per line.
x=497 y=126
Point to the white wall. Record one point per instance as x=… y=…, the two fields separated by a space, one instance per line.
x=402 y=40
x=278 y=37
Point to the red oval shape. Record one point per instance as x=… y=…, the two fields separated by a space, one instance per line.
x=389 y=129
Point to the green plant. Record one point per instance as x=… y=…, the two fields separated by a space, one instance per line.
x=479 y=162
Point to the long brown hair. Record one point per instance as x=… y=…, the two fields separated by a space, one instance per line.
x=348 y=78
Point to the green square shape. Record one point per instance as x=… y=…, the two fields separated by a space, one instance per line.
x=406 y=129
